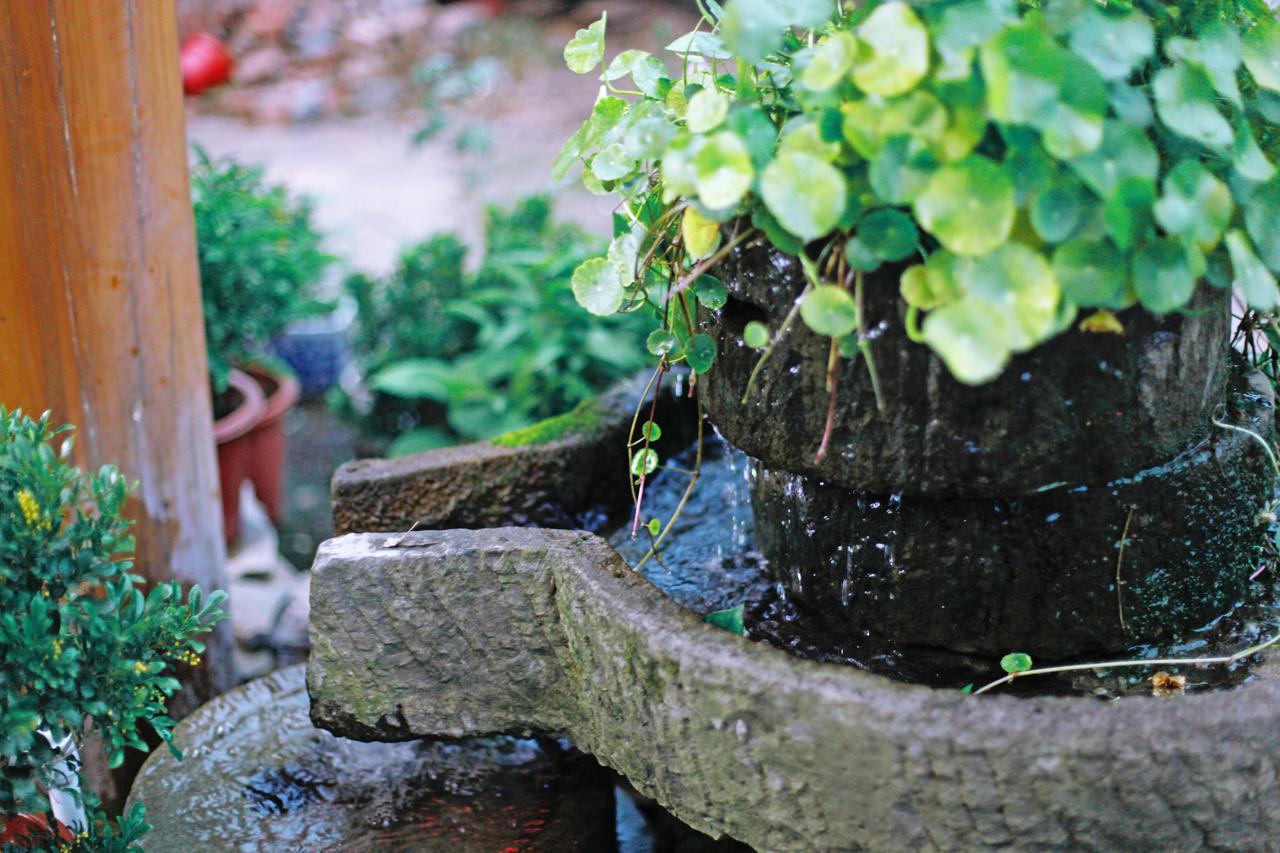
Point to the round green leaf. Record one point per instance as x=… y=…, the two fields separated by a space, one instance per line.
x=934 y=284
x=968 y=206
x=901 y=171
x=597 y=287
x=700 y=43
x=1131 y=105
x=655 y=527
x=1195 y=204
x=644 y=69
x=899 y=51
x=1248 y=160
x=1252 y=276
x=1113 y=44
x=1128 y=213
x=1262 y=54
x=806 y=194
x=586 y=49
x=1125 y=152
x=832 y=58
x=723 y=171
x=644 y=462
x=648 y=138
x=889 y=233
x=1019 y=281
x=1219 y=49
x=756 y=335
x=971 y=337
x=1262 y=218
x=861 y=256
x=806 y=138
x=829 y=311
x=651 y=431
x=1093 y=274
x=1015 y=663
x=612 y=163
x=1059 y=212
x=711 y=292
x=707 y=111
x=1163 y=276
x=660 y=342
x=1187 y=103
x=702 y=353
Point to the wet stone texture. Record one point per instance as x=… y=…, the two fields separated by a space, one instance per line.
x=1037 y=574
x=456 y=633
x=1083 y=408
x=258 y=776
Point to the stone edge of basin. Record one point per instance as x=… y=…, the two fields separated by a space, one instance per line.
x=533 y=485
x=515 y=630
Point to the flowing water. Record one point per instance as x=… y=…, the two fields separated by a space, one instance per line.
x=709 y=562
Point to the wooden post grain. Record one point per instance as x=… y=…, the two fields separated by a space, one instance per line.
x=100 y=317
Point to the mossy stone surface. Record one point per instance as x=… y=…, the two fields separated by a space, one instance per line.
x=547 y=475
x=1082 y=408
x=454 y=633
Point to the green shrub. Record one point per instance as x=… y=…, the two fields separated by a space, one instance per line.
x=260 y=262
x=455 y=355
x=1023 y=161
x=82 y=646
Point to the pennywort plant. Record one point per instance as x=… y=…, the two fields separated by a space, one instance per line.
x=83 y=646
x=1008 y=165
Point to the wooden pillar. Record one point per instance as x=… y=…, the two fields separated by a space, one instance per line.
x=100 y=316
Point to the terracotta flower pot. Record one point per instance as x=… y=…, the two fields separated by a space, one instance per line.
x=235 y=446
x=267 y=439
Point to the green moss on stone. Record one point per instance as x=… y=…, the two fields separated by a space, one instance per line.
x=584 y=418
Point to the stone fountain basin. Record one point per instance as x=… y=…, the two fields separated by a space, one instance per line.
x=256 y=775
x=517 y=630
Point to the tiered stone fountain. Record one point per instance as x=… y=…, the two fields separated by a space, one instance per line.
x=454 y=632
x=1082 y=503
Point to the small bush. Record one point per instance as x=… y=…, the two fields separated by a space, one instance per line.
x=83 y=647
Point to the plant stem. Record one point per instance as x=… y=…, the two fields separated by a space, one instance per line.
x=773 y=344
x=684 y=499
x=635 y=420
x=1082 y=667
x=1124 y=540
x=1265 y=445
x=833 y=382
x=707 y=263
x=864 y=344
x=653 y=410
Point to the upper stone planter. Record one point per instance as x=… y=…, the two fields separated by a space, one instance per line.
x=1083 y=408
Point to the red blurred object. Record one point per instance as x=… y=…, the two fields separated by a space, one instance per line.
x=31 y=830
x=206 y=63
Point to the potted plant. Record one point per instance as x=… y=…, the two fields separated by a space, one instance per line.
x=260 y=264
x=84 y=648
x=448 y=354
x=943 y=267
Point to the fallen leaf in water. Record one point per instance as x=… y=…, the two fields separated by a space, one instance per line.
x=1164 y=684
